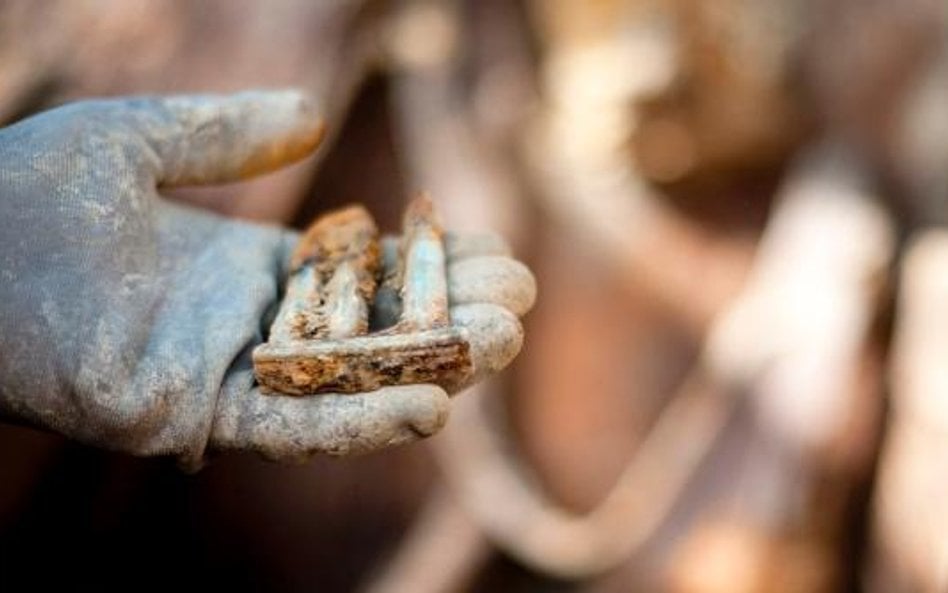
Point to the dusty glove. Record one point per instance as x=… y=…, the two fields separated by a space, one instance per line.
x=127 y=321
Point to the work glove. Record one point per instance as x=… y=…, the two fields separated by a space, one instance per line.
x=127 y=320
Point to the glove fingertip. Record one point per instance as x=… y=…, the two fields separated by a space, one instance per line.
x=467 y=245
x=291 y=129
x=494 y=333
x=497 y=280
x=418 y=410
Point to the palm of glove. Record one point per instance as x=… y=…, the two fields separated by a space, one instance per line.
x=127 y=320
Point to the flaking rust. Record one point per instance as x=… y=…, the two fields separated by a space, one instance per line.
x=320 y=340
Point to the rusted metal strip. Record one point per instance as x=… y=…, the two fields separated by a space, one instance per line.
x=365 y=363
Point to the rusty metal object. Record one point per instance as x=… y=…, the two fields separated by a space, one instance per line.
x=320 y=340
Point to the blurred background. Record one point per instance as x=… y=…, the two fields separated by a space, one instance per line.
x=734 y=379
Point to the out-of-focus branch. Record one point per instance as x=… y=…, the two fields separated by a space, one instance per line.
x=521 y=520
x=441 y=147
x=910 y=522
x=577 y=153
x=796 y=340
x=438 y=555
x=796 y=333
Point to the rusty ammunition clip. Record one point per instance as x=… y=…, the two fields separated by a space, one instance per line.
x=320 y=340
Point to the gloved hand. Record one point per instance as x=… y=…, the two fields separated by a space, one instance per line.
x=127 y=321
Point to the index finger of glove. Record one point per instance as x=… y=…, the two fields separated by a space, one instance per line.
x=201 y=139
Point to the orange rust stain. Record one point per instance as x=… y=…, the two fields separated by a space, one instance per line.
x=273 y=156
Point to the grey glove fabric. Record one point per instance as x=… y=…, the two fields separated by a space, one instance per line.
x=126 y=321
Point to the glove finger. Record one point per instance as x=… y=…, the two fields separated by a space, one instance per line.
x=456 y=247
x=465 y=245
x=290 y=428
x=492 y=279
x=200 y=139
x=494 y=334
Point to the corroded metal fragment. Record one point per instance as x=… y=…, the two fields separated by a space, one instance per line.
x=365 y=363
x=424 y=277
x=332 y=276
x=319 y=341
